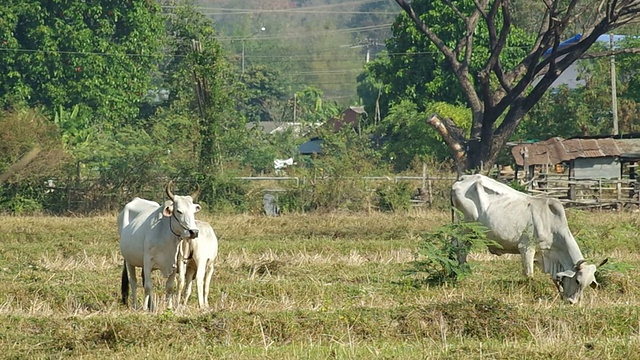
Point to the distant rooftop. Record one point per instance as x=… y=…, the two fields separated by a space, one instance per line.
x=274 y=127
x=556 y=150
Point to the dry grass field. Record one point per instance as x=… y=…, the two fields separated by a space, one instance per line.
x=313 y=287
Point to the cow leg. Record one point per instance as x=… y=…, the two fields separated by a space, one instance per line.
x=171 y=280
x=207 y=282
x=528 y=254
x=133 y=283
x=200 y=273
x=181 y=279
x=190 y=274
x=148 y=303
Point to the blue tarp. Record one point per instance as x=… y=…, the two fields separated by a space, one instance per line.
x=313 y=146
x=565 y=43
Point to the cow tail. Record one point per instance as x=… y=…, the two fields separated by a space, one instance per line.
x=124 y=287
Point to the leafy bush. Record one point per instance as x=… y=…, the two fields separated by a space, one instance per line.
x=20 y=205
x=514 y=184
x=32 y=154
x=223 y=193
x=293 y=200
x=441 y=256
x=394 y=197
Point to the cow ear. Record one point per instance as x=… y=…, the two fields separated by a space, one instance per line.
x=197 y=207
x=567 y=273
x=168 y=210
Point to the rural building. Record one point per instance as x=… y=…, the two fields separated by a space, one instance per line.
x=598 y=168
x=350 y=117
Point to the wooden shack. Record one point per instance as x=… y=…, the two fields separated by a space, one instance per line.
x=350 y=117
x=599 y=170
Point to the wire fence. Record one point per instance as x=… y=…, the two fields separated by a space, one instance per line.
x=89 y=196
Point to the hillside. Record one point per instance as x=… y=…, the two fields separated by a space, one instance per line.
x=323 y=43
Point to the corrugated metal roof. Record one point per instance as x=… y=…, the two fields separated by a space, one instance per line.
x=628 y=146
x=557 y=150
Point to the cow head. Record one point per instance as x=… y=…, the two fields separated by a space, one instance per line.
x=181 y=211
x=572 y=282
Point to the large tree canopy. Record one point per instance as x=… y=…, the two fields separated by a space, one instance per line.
x=96 y=54
x=500 y=94
x=414 y=68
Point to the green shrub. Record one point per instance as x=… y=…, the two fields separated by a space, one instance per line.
x=293 y=200
x=394 y=197
x=223 y=193
x=514 y=184
x=21 y=205
x=440 y=255
x=338 y=193
x=33 y=197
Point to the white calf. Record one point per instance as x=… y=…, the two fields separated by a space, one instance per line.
x=196 y=259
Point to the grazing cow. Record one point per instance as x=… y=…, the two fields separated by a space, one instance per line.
x=534 y=227
x=196 y=259
x=149 y=238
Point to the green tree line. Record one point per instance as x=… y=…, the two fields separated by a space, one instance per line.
x=111 y=98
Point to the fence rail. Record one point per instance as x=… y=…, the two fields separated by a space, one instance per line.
x=90 y=195
x=587 y=193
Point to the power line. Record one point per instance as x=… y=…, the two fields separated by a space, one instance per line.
x=297 y=35
x=305 y=12
x=320 y=72
x=282 y=58
x=65 y=52
x=308 y=73
x=294 y=10
x=291 y=57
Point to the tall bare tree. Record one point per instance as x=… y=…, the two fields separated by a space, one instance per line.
x=499 y=98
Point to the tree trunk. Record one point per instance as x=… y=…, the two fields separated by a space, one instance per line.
x=478 y=154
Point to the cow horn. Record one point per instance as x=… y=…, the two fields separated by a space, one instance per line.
x=603 y=262
x=579 y=264
x=196 y=192
x=168 y=190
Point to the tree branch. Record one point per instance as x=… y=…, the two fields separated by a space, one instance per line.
x=461 y=72
x=472 y=23
x=544 y=63
x=455 y=10
x=598 y=54
x=497 y=46
x=452 y=135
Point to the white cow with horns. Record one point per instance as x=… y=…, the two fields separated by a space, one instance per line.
x=149 y=238
x=196 y=259
x=534 y=227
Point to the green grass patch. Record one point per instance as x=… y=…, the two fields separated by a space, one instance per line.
x=316 y=287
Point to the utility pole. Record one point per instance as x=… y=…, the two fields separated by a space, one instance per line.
x=295 y=106
x=614 y=98
x=262 y=28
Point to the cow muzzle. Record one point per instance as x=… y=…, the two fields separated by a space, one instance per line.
x=193 y=233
